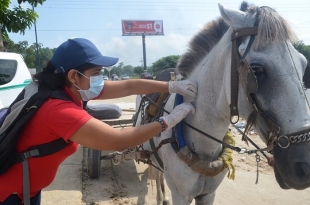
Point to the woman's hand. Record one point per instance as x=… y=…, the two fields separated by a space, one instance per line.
x=184 y=87
x=178 y=114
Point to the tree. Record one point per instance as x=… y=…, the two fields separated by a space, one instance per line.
x=303 y=49
x=128 y=69
x=138 y=70
x=46 y=54
x=26 y=51
x=149 y=70
x=16 y=19
x=117 y=70
x=29 y=53
x=30 y=56
x=165 y=63
x=19 y=47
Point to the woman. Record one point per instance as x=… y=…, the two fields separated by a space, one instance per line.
x=75 y=68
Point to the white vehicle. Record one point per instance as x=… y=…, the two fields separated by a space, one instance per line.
x=14 y=76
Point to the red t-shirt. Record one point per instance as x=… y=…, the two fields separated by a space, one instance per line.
x=56 y=118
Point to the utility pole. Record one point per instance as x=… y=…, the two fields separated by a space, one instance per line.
x=37 y=45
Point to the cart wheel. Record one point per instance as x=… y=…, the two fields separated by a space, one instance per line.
x=94 y=163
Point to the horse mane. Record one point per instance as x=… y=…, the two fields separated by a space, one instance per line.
x=200 y=45
x=271 y=28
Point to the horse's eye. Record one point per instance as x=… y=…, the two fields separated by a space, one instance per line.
x=258 y=70
x=259 y=73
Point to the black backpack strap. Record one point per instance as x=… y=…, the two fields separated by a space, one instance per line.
x=42 y=150
x=37 y=151
x=59 y=94
x=26 y=183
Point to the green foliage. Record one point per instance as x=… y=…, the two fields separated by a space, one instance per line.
x=45 y=55
x=32 y=2
x=165 y=63
x=29 y=54
x=16 y=19
x=149 y=70
x=117 y=69
x=20 y=48
x=128 y=69
x=138 y=70
x=303 y=49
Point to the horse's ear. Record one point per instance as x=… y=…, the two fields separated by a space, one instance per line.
x=232 y=17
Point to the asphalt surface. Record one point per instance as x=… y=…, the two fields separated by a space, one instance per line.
x=66 y=189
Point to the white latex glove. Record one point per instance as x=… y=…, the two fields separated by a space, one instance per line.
x=178 y=114
x=184 y=87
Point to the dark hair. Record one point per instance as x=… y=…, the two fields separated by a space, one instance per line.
x=49 y=79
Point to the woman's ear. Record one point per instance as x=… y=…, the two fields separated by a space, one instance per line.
x=72 y=76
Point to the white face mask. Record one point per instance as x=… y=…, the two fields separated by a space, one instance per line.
x=96 y=85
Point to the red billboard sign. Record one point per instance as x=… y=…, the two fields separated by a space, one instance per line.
x=139 y=27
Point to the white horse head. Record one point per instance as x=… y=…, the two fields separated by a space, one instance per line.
x=278 y=69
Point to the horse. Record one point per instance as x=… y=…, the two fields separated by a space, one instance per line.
x=245 y=66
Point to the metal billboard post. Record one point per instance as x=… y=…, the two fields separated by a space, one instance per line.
x=144 y=53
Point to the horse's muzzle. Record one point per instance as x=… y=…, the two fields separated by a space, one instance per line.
x=292 y=166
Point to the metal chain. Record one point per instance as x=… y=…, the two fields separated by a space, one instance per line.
x=257 y=160
x=143 y=118
x=142 y=110
x=300 y=138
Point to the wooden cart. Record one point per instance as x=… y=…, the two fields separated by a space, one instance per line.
x=94 y=157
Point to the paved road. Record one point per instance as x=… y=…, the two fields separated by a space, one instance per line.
x=67 y=187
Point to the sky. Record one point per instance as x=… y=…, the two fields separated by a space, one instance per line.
x=100 y=22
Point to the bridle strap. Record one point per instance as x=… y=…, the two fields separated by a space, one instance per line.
x=234 y=83
x=248 y=31
x=235 y=60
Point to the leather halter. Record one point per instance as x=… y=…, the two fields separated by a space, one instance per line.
x=242 y=71
x=236 y=59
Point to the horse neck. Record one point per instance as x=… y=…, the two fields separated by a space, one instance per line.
x=212 y=104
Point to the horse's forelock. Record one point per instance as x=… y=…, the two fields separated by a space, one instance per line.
x=272 y=28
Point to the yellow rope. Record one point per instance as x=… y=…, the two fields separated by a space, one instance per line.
x=227 y=155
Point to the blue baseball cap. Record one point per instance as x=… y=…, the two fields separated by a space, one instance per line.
x=76 y=52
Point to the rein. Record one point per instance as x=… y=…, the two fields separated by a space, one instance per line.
x=241 y=72
x=239 y=150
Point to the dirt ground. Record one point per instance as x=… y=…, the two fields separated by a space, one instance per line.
x=128 y=183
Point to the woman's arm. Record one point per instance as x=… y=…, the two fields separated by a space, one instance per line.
x=117 y=89
x=96 y=134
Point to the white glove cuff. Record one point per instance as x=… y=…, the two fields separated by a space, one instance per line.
x=170 y=87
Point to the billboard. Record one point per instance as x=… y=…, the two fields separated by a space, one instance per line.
x=139 y=27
